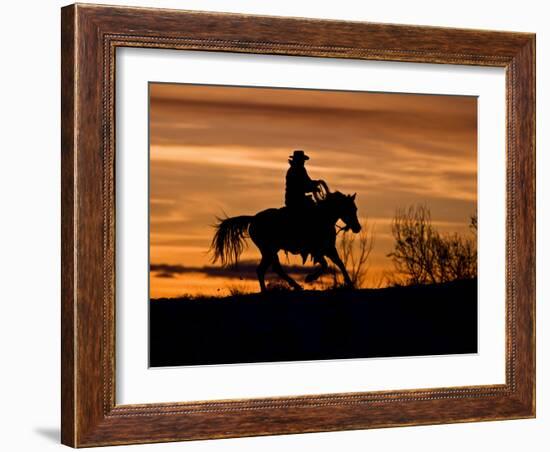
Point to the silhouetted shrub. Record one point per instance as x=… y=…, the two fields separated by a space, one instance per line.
x=355 y=251
x=423 y=255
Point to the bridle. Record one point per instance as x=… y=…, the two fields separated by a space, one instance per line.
x=321 y=195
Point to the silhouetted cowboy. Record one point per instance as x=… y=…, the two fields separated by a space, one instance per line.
x=298 y=182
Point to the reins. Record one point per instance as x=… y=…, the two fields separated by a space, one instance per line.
x=321 y=195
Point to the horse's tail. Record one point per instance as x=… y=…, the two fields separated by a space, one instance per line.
x=229 y=240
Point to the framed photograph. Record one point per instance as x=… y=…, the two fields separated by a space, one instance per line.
x=281 y=225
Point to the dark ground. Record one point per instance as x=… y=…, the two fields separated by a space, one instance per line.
x=312 y=325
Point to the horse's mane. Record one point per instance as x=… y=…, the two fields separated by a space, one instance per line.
x=331 y=197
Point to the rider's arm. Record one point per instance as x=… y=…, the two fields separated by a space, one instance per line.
x=309 y=184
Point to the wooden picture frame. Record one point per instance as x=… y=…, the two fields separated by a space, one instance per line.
x=90 y=36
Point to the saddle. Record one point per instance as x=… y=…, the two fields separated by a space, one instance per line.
x=301 y=224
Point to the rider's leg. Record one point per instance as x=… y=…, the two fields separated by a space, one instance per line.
x=262 y=268
x=334 y=257
x=279 y=270
x=314 y=276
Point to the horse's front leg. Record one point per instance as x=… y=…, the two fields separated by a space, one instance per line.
x=314 y=275
x=334 y=257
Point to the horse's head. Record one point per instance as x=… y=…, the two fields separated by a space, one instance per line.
x=345 y=209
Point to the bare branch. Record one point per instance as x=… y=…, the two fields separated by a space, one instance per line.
x=355 y=251
x=422 y=255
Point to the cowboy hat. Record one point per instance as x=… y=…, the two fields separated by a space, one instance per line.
x=298 y=155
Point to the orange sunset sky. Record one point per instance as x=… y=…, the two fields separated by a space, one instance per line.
x=223 y=150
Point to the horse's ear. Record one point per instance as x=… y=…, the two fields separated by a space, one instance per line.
x=353 y=196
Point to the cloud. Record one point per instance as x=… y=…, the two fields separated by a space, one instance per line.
x=244 y=270
x=223 y=150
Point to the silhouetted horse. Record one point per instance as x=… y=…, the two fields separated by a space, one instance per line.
x=311 y=232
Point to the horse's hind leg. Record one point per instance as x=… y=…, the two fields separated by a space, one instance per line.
x=314 y=276
x=262 y=268
x=279 y=270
